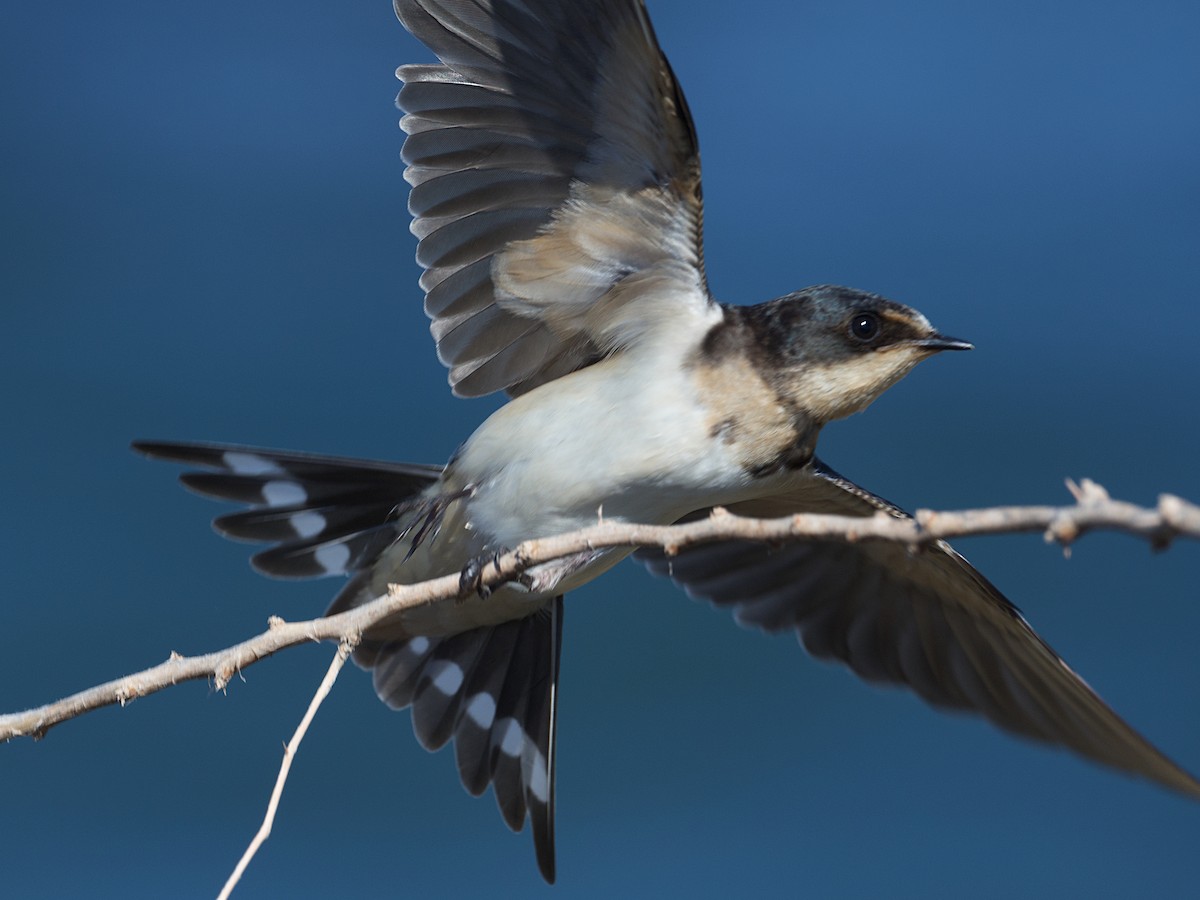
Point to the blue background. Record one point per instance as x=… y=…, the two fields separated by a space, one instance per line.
x=205 y=237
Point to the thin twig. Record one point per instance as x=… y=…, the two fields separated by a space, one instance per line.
x=1093 y=511
x=289 y=752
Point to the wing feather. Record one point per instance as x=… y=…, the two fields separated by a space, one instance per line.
x=927 y=620
x=554 y=166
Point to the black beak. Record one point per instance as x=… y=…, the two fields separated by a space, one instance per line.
x=938 y=342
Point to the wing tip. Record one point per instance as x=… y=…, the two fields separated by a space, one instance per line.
x=171 y=451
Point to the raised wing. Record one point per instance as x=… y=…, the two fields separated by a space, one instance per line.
x=926 y=620
x=556 y=185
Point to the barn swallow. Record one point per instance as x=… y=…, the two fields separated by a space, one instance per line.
x=556 y=200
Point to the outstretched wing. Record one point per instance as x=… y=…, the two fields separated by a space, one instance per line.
x=926 y=620
x=556 y=185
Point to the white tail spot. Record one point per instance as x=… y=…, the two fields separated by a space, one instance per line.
x=250 y=464
x=283 y=493
x=333 y=558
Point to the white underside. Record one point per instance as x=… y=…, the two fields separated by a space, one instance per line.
x=626 y=439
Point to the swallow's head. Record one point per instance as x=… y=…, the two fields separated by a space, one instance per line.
x=830 y=351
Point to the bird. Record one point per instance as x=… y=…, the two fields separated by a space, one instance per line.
x=557 y=204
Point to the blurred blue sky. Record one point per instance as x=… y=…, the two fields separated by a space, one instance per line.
x=205 y=237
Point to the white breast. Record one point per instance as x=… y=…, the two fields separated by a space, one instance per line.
x=628 y=434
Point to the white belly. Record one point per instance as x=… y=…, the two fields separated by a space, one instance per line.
x=625 y=440
x=613 y=441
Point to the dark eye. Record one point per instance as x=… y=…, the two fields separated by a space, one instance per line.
x=864 y=327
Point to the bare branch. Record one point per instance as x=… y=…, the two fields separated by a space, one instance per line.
x=339 y=659
x=1093 y=510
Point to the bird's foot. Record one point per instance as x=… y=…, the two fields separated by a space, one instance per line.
x=471 y=580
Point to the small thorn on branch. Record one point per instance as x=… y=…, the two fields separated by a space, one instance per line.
x=1087 y=492
x=223 y=674
x=1182 y=516
x=1063 y=530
